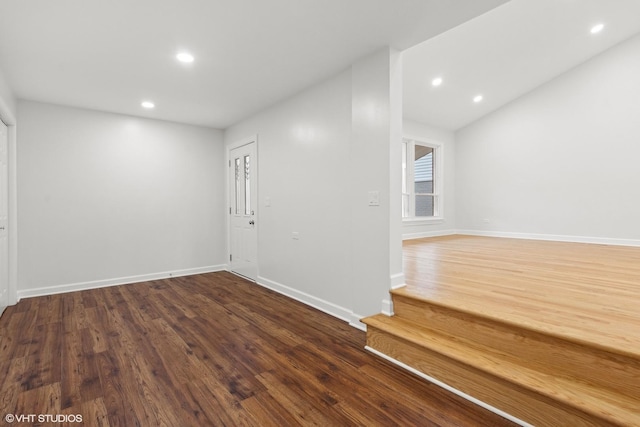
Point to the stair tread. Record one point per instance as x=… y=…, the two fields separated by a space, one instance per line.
x=494 y=313
x=587 y=397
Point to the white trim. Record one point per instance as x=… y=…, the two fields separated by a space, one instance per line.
x=13 y=215
x=423 y=234
x=449 y=388
x=9 y=119
x=430 y=142
x=82 y=286
x=241 y=142
x=356 y=323
x=387 y=307
x=397 y=280
x=553 y=237
x=330 y=308
x=422 y=220
x=438 y=176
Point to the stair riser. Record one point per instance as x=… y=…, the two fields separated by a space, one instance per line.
x=542 y=352
x=509 y=397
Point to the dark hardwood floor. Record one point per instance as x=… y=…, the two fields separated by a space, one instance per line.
x=211 y=349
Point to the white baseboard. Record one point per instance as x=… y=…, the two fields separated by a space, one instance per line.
x=449 y=388
x=397 y=280
x=59 y=289
x=387 y=306
x=553 y=237
x=356 y=323
x=315 y=302
x=423 y=234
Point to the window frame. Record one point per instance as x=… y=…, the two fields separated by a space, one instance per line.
x=408 y=179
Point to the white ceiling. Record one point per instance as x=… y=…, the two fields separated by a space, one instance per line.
x=506 y=53
x=111 y=54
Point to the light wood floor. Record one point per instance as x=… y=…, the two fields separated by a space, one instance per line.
x=211 y=349
x=582 y=292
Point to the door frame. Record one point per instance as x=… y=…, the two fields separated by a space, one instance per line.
x=9 y=120
x=256 y=165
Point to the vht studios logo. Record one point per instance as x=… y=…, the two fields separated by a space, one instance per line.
x=43 y=418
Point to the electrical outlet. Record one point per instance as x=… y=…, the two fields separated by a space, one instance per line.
x=374 y=198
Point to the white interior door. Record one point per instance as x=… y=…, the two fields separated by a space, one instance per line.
x=4 y=217
x=243 y=185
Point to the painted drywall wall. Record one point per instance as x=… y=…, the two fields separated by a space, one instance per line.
x=376 y=135
x=303 y=165
x=7 y=101
x=106 y=198
x=413 y=229
x=560 y=162
x=310 y=183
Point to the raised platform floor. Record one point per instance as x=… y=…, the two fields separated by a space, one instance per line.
x=546 y=331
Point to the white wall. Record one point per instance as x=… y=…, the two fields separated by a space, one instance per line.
x=376 y=165
x=412 y=229
x=106 y=198
x=562 y=161
x=311 y=157
x=7 y=100
x=303 y=155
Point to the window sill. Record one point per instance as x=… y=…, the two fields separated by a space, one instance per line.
x=423 y=221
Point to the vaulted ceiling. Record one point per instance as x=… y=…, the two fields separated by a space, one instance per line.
x=506 y=53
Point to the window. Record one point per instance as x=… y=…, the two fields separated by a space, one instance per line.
x=242 y=185
x=421 y=169
x=247 y=185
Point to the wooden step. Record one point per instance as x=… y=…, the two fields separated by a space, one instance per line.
x=500 y=378
x=545 y=350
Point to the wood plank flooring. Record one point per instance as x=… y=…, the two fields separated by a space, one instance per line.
x=211 y=349
x=582 y=292
x=548 y=332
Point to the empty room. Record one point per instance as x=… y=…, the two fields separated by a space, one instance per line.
x=364 y=212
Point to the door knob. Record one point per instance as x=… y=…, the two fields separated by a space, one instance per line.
x=251 y=222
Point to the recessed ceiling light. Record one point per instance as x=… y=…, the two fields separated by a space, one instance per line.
x=184 y=57
x=477 y=98
x=148 y=105
x=437 y=81
x=597 y=28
